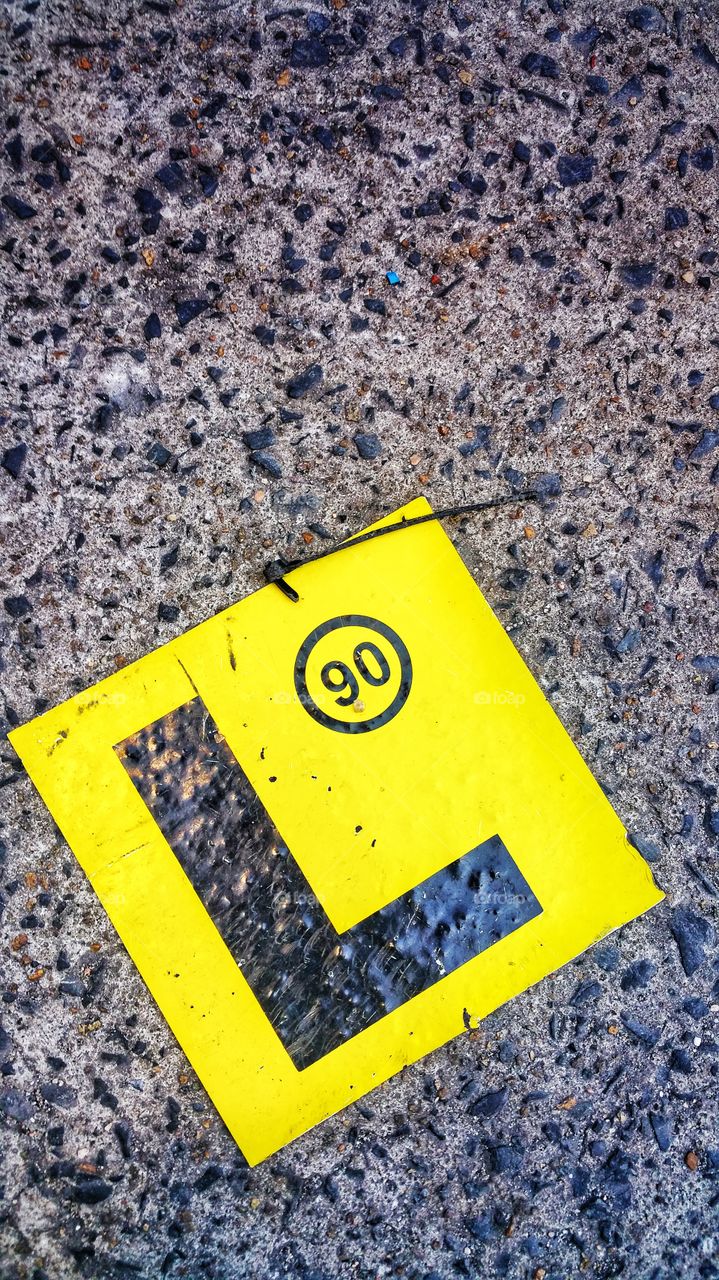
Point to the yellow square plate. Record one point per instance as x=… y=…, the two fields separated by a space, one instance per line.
x=332 y=832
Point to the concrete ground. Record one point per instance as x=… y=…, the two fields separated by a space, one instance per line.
x=200 y=201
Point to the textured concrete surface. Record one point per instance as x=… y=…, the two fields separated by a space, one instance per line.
x=200 y=201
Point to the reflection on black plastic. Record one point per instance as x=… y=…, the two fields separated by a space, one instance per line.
x=317 y=987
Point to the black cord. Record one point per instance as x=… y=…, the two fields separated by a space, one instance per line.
x=275 y=570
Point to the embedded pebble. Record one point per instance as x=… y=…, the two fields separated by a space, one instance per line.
x=302 y=383
x=13 y=459
x=691 y=932
x=368 y=445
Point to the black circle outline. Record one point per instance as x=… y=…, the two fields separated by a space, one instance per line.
x=352 y=726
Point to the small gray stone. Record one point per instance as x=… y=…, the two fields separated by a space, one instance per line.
x=367 y=445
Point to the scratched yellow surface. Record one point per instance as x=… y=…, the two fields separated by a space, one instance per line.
x=474 y=750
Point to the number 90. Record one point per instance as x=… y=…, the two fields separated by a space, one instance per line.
x=338 y=678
